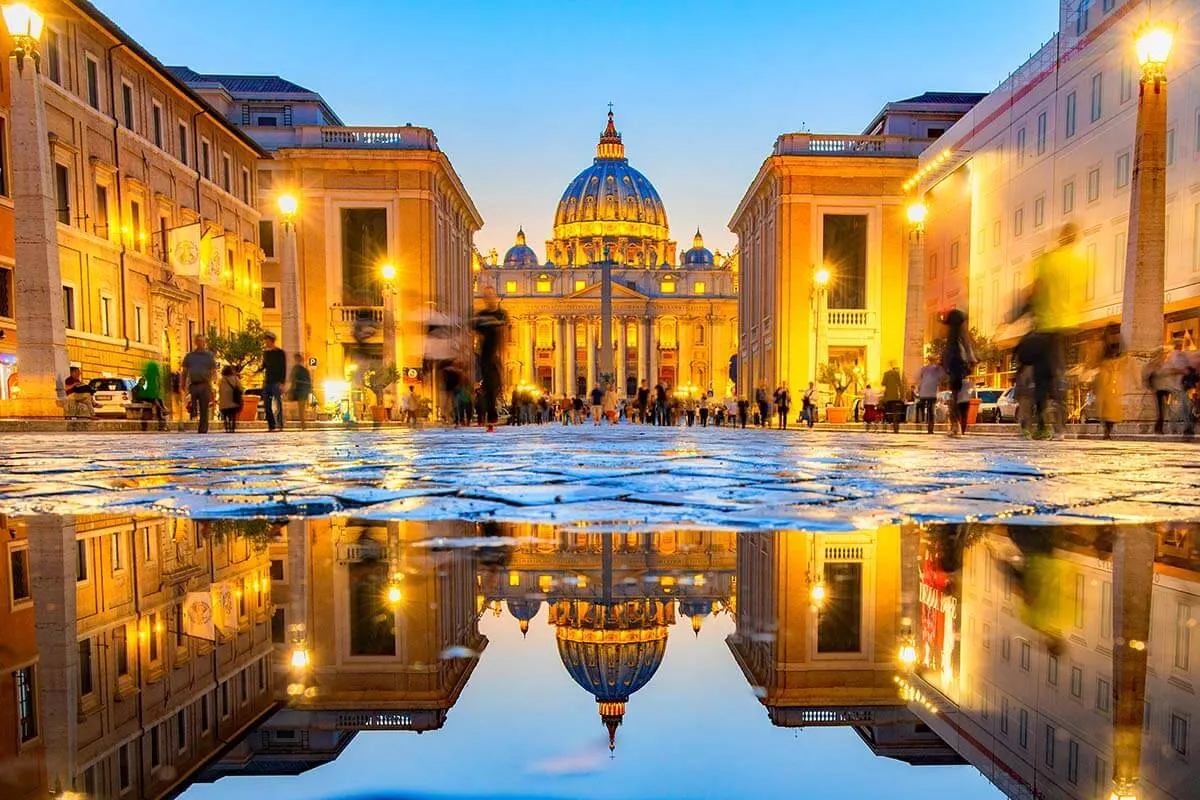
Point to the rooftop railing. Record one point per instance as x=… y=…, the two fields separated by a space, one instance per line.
x=825 y=144
x=407 y=137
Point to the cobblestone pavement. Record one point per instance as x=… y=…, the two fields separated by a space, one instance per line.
x=628 y=477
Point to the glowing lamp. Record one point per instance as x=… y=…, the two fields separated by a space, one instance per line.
x=917 y=213
x=817 y=594
x=388 y=271
x=821 y=277
x=393 y=594
x=1154 y=46
x=907 y=655
x=299 y=658
x=288 y=204
x=23 y=22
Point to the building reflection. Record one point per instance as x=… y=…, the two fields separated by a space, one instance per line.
x=105 y=687
x=1061 y=661
x=818 y=621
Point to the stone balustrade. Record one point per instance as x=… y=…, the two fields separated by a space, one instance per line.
x=823 y=144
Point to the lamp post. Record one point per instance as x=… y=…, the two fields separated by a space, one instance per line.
x=387 y=272
x=820 y=287
x=1145 y=259
x=293 y=336
x=41 y=330
x=914 y=331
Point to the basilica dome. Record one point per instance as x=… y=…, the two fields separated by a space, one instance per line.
x=699 y=255
x=611 y=211
x=520 y=254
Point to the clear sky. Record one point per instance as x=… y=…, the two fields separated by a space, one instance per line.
x=517 y=91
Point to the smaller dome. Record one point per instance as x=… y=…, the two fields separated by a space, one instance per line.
x=699 y=255
x=520 y=254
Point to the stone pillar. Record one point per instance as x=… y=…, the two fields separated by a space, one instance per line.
x=1133 y=582
x=591 y=354
x=391 y=344
x=606 y=343
x=41 y=330
x=652 y=349
x=621 y=356
x=292 y=333
x=643 y=352
x=914 y=317
x=561 y=370
x=569 y=378
x=1145 y=260
x=532 y=371
x=52 y=556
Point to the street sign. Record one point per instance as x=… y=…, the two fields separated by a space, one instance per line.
x=312 y=362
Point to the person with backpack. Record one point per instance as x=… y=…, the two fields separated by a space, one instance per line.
x=229 y=397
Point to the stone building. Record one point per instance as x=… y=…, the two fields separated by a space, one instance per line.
x=674 y=320
x=832 y=205
x=136 y=153
x=367 y=196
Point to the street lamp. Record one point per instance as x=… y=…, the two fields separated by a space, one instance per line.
x=41 y=329
x=914 y=330
x=289 y=268
x=387 y=273
x=820 y=283
x=1145 y=259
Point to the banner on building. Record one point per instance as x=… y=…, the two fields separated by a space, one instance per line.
x=212 y=257
x=224 y=614
x=198 y=616
x=183 y=249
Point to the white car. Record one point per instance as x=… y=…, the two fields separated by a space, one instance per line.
x=1007 y=406
x=111 y=395
x=989 y=404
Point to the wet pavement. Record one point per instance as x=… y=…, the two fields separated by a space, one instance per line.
x=640 y=476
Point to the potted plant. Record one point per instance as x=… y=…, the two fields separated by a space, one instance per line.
x=378 y=381
x=243 y=351
x=832 y=375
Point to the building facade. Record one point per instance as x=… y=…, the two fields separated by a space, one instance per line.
x=1053 y=144
x=674 y=319
x=136 y=154
x=367 y=196
x=832 y=206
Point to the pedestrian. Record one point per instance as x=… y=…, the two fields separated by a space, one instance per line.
x=965 y=395
x=783 y=404
x=872 y=399
x=490 y=323
x=743 y=412
x=151 y=394
x=408 y=407
x=809 y=408
x=928 y=381
x=1107 y=387
x=957 y=359
x=199 y=368
x=79 y=401
x=610 y=404
x=301 y=389
x=763 y=406
x=597 y=406
x=660 y=404
x=643 y=401
x=274 y=372
x=577 y=409
x=229 y=397
x=893 y=397
x=704 y=410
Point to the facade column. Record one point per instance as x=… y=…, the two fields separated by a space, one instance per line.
x=561 y=370
x=569 y=377
x=591 y=354
x=914 y=321
x=621 y=332
x=643 y=352
x=533 y=378
x=1145 y=260
x=652 y=349
x=41 y=330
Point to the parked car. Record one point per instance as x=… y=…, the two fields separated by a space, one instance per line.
x=110 y=396
x=1007 y=406
x=989 y=404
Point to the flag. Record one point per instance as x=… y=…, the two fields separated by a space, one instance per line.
x=198 y=616
x=224 y=614
x=183 y=249
x=212 y=256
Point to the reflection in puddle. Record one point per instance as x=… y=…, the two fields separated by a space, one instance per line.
x=144 y=656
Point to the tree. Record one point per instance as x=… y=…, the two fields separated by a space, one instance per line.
x=379 y=380
x=987 y=353
x=242 y=349
x=839 y=379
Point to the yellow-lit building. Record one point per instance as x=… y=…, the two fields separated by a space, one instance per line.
x=823 y=242
x=674 y=319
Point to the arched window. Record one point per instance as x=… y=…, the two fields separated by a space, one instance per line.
x=666 y=334
x=699 y=333
x=545 y=334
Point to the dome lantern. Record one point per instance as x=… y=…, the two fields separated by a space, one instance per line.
x=520 y=254
x=699 y=255
x=610 y=146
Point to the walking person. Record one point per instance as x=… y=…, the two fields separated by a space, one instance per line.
x=957 y=360
x=763 y=405
x=577 y=409
x=151 y=394
x=783 y=404
x=808 y=410
x=743 y=412
x=643 y=402
x=274 y=372
x=928 y=381
x=893 y=397
x=704 y=410
x=965 y=395
x=199 y=368
x=610 y=404
x=489 y=323
x=301 y=390
x=1107 y=387
x=872 y=399
x=229 y=397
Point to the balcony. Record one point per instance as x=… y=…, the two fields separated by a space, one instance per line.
x=406 y=137
x=824 y=144
x=850 y=318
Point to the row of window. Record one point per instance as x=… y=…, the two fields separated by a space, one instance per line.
x=544 y=284
x=156 y=129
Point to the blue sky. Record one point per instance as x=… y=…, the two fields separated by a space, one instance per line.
x=517 y=91
x=695 y=730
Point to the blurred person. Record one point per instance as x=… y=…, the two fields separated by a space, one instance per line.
x=610 y=404
x=872 y=414
x=643 y=401
x=199 y=369
x=490 y=322
x=151 y=393
x=743 y=412
x=929 y=379
x=809 y=408
x=229 y=397
x=957 y=359
x=703 y=410
x=963 y=401
x=1107 y=387
x=301 y=389
x=893 y=397
x=274 y=372
x=783 y=404
x=762 y=405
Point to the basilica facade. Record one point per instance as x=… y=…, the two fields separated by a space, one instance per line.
x=674 y=318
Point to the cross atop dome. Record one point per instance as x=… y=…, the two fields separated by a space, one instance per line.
x=610 y=146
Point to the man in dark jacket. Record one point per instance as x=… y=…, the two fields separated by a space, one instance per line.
x=274 y=371
x=489 y=323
